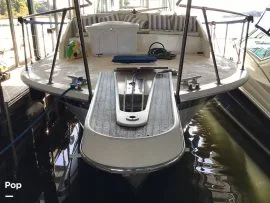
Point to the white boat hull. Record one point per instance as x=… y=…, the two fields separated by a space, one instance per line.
x=257 y=88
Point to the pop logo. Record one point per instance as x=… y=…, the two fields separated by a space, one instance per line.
x=15 y=186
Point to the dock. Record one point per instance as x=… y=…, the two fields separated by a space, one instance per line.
x=14 y=88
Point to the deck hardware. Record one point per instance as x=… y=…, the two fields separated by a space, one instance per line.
x=192 y=86
x=132 y=118
x=77 y=82
x=191 y=82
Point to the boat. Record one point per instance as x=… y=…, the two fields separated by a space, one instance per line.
x=248 y=106
x=257 y=88
x=131 y=111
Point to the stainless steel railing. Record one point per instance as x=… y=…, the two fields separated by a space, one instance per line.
x=246 y=19
x=24 y=20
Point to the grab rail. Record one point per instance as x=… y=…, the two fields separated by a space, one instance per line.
x=77 y=7
x=212 y=9
x=55 y=11
x=183 y=47
x=188 y=7
x=211 y=46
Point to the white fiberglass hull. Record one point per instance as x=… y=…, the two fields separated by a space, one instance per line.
x=257 y=88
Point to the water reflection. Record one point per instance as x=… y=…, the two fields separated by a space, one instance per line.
x=215 y=170
x=225 y=169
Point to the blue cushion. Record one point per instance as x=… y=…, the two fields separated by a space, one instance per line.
x=133 y=59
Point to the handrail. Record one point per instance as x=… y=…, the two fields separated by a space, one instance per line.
x=55 y=11
x=211 y=45
x=240 y=44
x=57 y=46
x=34 y=22
x=212 y=9
x=183 y=48
x=41 y=22
x=188 y=7
x=226 y=34
x=227 y=22
x=77 y=7
x=79 y=23
x=249 y=19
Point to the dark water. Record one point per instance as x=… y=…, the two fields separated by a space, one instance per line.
x=216 y=169
x=226 y=169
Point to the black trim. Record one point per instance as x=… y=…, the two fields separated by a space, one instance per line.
x=261 y=28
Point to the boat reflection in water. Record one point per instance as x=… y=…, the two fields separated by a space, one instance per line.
x=225 y=168
x=216 y=169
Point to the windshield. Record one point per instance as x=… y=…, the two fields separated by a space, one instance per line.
x=264 y=22
x=259 y=40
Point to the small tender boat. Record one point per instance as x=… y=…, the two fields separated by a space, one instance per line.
x=138 y=111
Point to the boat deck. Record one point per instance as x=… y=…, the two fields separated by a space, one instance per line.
x=160 y=120
x=134 y=149
x=194 y=65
